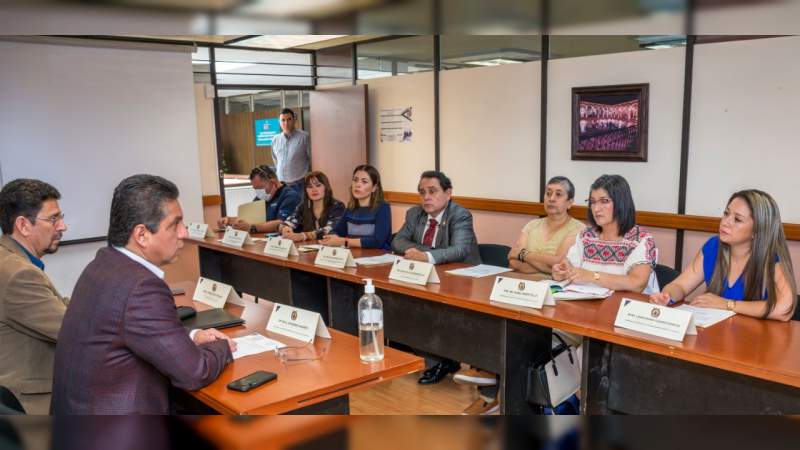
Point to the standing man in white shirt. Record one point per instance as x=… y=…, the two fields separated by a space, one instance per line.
x=291 y=152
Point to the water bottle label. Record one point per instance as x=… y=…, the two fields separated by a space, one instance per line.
x=372 y=316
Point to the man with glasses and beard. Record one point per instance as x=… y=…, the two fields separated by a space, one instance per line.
x=31 y=309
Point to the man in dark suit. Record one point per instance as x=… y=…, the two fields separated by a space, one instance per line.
x=438 y=231
x=121 y=343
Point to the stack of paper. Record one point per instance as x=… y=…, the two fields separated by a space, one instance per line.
x=706 y=317
x=253 y=344
x=575 y=291
x=481 y=270
x=309 y=248
x=387 y=258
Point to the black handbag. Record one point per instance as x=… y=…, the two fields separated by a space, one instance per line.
x=556 y=377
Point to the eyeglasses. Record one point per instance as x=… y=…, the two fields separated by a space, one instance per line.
x=53 y=219
x=301 y=354
x=601 y=201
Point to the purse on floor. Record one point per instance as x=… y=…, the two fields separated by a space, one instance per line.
x=556 y=378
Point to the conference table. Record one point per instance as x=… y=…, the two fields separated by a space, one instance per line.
x=318 y=381
x=742 y=365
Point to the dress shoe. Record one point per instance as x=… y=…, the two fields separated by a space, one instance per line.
x=437 y=373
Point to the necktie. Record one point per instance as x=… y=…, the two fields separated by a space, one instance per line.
x=427 y=239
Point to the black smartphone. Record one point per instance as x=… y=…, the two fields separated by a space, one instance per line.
x=251 y=381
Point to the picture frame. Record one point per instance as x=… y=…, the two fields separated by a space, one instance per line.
x=609 y=123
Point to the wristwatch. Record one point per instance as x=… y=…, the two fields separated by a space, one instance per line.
x=253 y=229
x=729 y=305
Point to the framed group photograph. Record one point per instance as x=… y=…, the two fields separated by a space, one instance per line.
x=609 y=123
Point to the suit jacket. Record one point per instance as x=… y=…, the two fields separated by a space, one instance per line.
x=455 y=241
x=31 y=311
x=122 y=344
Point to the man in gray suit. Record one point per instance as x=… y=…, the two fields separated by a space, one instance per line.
x=438 y=231
x=31 y=309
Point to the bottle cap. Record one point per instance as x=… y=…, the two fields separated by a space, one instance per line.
x=369 y=288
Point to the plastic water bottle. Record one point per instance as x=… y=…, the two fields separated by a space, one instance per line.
x=370 y=325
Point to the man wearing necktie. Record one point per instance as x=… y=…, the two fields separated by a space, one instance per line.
x=438 y=231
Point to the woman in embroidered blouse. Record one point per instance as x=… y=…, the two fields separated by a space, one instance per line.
x=317 y=213
x=751 y=249
x=544 y=242
x=613 y=252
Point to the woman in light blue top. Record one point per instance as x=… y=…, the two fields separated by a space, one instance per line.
x=751 y=250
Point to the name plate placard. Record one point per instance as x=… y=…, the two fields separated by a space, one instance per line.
x=655 y=320
x=199 y=231
x=514 y=291
x=415 y=272
x=277 y=246
x=215 y=294
x=236 y=238
x=335 y=257
x=297 y=323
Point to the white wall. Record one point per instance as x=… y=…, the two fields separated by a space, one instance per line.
x=745 y=124
x=84 y=118
x=654 y=183
x=489 y=125
x=401 y=163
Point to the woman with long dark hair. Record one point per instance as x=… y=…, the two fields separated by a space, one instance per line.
x=317 y=213
x=367 y=222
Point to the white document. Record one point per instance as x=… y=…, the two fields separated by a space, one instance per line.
x=386 y=258
x=415 y=272
x=236 y=238
x=215 y=294
x=335 y=257
x=199 y=231
x=253 y=344
x=479 y=271
x=297 y=323
x=656 y=320
x=514 y=291
x=706 y=317
x=283 y=248
x=253 y=212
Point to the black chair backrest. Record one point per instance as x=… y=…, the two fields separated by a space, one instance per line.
x=9 y=403
x=796 y=315
x=494 y=254
x=665 y=275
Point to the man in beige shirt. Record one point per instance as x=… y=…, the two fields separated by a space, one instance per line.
x=31 y=310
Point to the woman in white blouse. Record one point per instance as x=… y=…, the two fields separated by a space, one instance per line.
x=613 y=252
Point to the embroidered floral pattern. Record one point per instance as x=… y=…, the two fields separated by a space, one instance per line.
x=616 y=253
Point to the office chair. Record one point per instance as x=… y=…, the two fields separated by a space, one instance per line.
x=9 y=405
x=494 y=254
x=665 y=275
